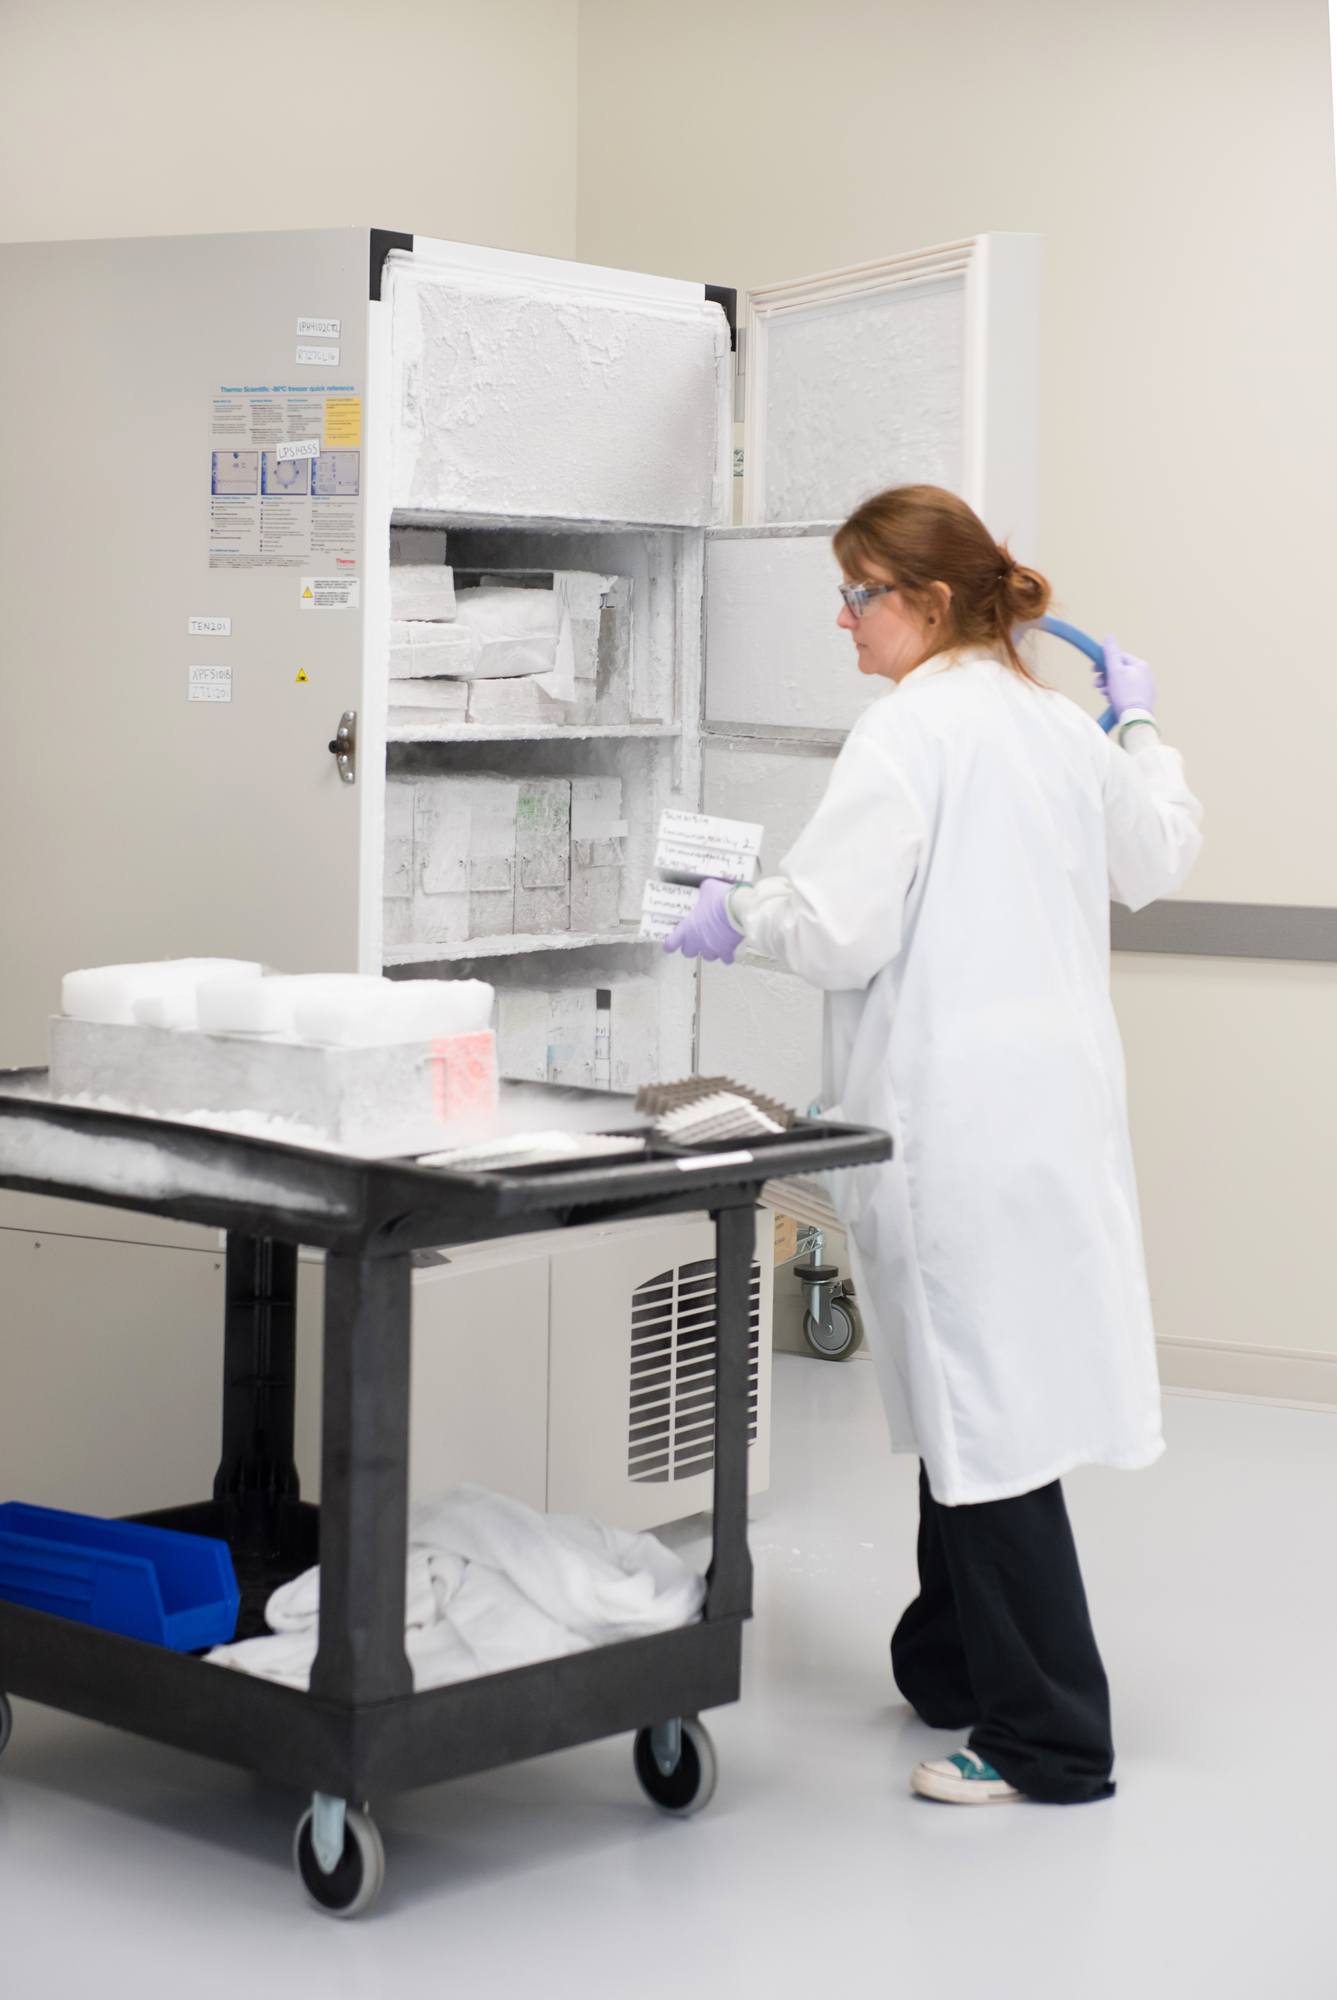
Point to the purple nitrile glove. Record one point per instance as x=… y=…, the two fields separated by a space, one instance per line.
x=1128 y=682
x=706 y=931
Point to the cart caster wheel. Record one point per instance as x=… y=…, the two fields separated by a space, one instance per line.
x=842 y=1338
x=360 y=1876
x=6 y=1722
x=690 y=1786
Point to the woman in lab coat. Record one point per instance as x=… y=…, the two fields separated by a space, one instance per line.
x=951 y=898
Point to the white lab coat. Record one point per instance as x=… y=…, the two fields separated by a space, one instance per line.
x=951 y=896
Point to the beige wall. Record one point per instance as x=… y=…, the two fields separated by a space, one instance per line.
x=148 y=117
x=1178 y=162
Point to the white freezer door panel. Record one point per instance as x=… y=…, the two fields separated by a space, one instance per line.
x=778 y=787
x=775 y=657
x=863 y=393
x=763 y=1027
x=556 y=400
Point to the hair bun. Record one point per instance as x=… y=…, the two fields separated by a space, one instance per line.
x=1023 y=594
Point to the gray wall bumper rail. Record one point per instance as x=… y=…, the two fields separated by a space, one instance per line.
x=1229 y=930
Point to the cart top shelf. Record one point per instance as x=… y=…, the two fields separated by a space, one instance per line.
x=341 y=1202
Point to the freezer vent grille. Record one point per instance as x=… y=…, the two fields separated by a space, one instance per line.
x=671 y=1434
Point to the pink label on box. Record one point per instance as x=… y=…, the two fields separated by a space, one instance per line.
x=464 y=1074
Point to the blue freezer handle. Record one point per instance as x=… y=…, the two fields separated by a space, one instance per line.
x=1084 y=643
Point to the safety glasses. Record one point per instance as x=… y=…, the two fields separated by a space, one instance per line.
x=858 y=596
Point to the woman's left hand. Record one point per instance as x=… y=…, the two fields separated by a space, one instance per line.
x=707 y=931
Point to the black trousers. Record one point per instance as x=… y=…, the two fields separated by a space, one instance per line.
x=999 y=1641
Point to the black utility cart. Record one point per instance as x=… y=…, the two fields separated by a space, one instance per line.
x=361 y=1730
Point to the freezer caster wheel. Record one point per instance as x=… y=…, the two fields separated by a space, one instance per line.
x=843 y=1337
x=356 y=1879
x=6 y=1722
x=681 y=1787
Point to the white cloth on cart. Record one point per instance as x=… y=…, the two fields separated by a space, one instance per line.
x=491 y=1584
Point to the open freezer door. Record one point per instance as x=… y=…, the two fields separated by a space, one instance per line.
x=921 y=367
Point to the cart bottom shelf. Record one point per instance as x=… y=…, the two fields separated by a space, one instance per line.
x=348 y=1748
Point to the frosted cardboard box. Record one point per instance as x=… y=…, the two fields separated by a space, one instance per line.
x=429 y=701
x=522 y=1033
x=543 y=856
x=694 y=846
x=493 y=881
x=421 y=651
x=663 y=906
x=634 y=1033
x=398 y=841
x=422 y=590
x=440 y=865
x=464 y=856
x=598 y=833
x=571 y=1035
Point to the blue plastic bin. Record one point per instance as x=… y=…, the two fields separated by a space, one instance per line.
x=148 y=1583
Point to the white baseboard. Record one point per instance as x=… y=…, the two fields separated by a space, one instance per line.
x=1192 y=1367
x=1271 y=1374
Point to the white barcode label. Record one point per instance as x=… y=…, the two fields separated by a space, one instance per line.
x=713 y=1160
x=209 y=684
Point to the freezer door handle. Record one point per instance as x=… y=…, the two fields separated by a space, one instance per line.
x=343 y=746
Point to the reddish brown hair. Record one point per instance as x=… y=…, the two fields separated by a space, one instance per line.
x=916 y=536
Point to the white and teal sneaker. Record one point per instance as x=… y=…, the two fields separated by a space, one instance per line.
x=962 y=1780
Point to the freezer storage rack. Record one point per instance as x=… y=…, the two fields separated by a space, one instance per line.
x=360 y=1730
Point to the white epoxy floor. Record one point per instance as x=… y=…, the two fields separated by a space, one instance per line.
x=128 y=1868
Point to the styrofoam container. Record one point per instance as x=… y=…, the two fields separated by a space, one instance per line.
x=374 y=1099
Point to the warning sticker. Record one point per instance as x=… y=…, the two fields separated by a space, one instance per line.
x=303 y=678
x=329 y=593
x=285 y=476
x=343 y=421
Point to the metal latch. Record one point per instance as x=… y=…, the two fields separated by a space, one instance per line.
x=343 y=748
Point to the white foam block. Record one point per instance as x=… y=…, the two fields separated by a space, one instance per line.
x=246 y=1006
x=168 y=986
x=420 y=650
x=516 y=631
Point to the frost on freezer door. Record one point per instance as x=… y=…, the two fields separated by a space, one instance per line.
x=521 y=401
x=863 y=394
